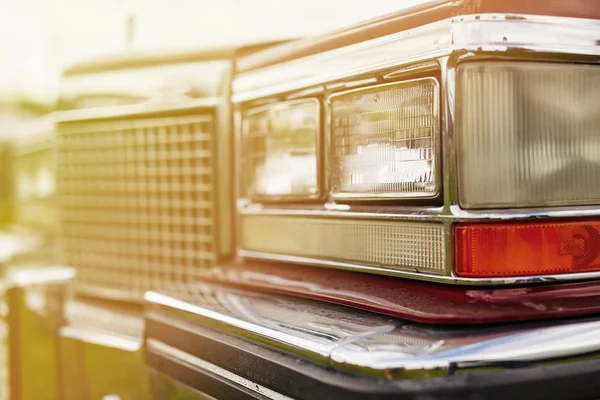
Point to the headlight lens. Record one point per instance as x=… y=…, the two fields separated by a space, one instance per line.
x=384 y=141
x=528 y=134
x=279 y=151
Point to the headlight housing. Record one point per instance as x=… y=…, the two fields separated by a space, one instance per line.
x=385 y=141
x=528 y=134
x=280 y=151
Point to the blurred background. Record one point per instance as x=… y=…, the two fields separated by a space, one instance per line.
x=38 y=38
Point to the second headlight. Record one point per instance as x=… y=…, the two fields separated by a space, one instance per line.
x=384 y=141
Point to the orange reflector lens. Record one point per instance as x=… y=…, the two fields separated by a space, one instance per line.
x=528 y=248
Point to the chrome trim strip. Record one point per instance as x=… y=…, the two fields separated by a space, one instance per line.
x=451 y=278
x=488 y=32
x=240 y=315
x=381 y=354
x=332 y=210
x=396 y=349
x=164 y=349
x=452 y=213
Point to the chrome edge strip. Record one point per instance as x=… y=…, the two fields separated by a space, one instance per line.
x=392 y=351
x=487 y=32
x=164 y=349
x=422 y=213
x=268 y=332
x=449 y=278
x=530 y=346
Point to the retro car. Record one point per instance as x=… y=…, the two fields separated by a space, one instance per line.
x=406 y=208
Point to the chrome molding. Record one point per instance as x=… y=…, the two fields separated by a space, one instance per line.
x=449 y=278
x=397 y=355
x=488 y=32
x=362 y=343
x=256 y=315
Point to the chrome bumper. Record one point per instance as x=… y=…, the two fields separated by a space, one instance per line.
x=281 y=347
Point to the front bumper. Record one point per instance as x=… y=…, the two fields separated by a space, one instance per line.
x=230 y=343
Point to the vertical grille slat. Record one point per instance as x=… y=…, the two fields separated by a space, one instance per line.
x=136 y=201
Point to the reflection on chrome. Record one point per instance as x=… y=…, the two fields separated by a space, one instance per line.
x=278 y=321
x=356 y=341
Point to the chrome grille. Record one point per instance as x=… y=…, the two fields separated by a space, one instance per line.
x=136 y=201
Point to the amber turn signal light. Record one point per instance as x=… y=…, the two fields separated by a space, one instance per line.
x=526 y=248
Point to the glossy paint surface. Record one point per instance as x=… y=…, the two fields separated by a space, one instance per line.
x=413 y=300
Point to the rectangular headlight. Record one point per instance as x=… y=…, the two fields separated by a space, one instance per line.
x=528 y=134
x=279 y=151
x=384 y=141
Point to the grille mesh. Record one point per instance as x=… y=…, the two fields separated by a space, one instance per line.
x=136 y=201
x=397 y=245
